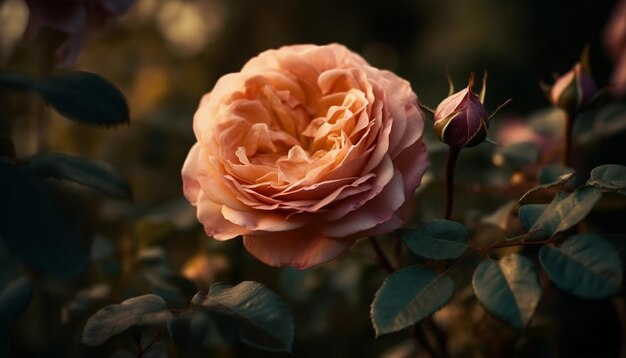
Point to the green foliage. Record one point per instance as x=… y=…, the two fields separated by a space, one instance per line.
x=80 y=96
x=508 y=289
x=202 y=328
x=115 y=319
x=264 y=321
x=408 y=296
x=565 y=211
x=555 y=174
x=14 y=298
x=560 y=182
x=33 y=227
x=585 y=265
x=437 y=239
x=94 y=174
x=528 y=214
x=609 y=177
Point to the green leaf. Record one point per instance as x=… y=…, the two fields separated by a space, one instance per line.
x=608 y=177
x=33 y=227
x=508 y=289
x=188 y=329
x=408 y=296
x=265 y=321
x=534 y=193
x=85 y=97
x=517 y=155
x=565 y=211
x=437 y=239
x=585 y=265
x=81 y=96
x=95 y=174
x=115 y=319
x=554 y=173
x=528 y=214
x=14 y=299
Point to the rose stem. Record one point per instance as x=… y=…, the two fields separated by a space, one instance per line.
x=453 y=154
x=416 y=331
x=382 y=259
x=567 y=144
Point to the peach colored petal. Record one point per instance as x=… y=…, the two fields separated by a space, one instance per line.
x=256 y=220
x=376 y=211
x=413 y=163
x=288 y=248
x=191 y=174
x=210 y=215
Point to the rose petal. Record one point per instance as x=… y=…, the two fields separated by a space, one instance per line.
x=289 y=248
x=376 y=211
x=210 y=215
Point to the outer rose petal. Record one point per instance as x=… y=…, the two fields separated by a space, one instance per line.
x=288 y=248
x=191 y=174
x=210 y=215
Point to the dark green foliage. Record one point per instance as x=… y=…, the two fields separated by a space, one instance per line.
x=585 y=265
x=115 y=319
x=408 y=296
x=80 y=96
x=14 y=298
x=609 y=177
x=263 y=319
x=33 y=227
x=437 y=239
x=529 y=214
x=508 y=289
x=92 y=173
x=565 y=211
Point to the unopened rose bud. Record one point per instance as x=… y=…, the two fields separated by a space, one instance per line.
x=461 y=120
x=574 y=90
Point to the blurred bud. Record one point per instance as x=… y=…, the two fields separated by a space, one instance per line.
x=574 y=90
x=461 y=120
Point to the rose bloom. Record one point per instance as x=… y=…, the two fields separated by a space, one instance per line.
x=303 y=151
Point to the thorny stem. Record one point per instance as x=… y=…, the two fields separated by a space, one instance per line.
x=382 y=259
x=567 y=143
x=142 y=351
x=453 y=154
x=416 y=331
x=440 y=334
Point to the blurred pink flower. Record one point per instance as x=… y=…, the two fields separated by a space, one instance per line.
x=615 y=43
x=302 y=152
x=574 y=90
x=73 y=17
x=516 y=130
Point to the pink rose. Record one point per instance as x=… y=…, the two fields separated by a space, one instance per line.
x=302 y=152
x=574 y=90
x=615 y=43
x=73 y=17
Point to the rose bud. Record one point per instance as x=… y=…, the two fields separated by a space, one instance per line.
x=574 y=90
x=461 y=120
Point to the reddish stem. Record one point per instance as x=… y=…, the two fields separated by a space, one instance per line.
x=382 y=259
x=567 y=143
x=453 y=154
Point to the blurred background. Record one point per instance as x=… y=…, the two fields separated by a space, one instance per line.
x=165 y=54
